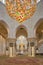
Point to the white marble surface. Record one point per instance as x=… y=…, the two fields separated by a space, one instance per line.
x=13 y=24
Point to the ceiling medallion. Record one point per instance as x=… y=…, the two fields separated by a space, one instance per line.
x=21 y=10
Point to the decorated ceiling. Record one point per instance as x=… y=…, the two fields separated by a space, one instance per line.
x=21 y=10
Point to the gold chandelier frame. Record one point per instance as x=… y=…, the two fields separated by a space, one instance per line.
x=21 y=10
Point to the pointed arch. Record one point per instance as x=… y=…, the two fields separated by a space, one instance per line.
x=4 y=30
x=21 y=30
x=38 y=26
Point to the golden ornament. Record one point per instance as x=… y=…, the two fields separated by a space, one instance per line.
x=21 y=10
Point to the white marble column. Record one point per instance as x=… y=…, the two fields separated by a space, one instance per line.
x=1 y=45
x=10 y=51
x=33 y=51
x=4 y=45
x=14 y=51
x=7 y=49
x=29 y=52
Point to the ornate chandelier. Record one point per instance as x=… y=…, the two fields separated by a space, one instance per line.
x=21 y=10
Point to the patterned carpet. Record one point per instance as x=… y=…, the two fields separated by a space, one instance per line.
x=21 y=61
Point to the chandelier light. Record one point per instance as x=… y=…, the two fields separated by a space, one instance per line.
x=21 y=10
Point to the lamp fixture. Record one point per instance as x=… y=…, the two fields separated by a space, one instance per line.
x=20 y=10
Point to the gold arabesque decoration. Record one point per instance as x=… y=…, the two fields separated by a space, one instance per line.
x=21 y=10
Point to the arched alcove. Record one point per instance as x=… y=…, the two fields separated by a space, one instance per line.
x=21 y=30
x=21 y=39
x=4 y=30
x=39 y=29
x=3 y=37
x=39 y=35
